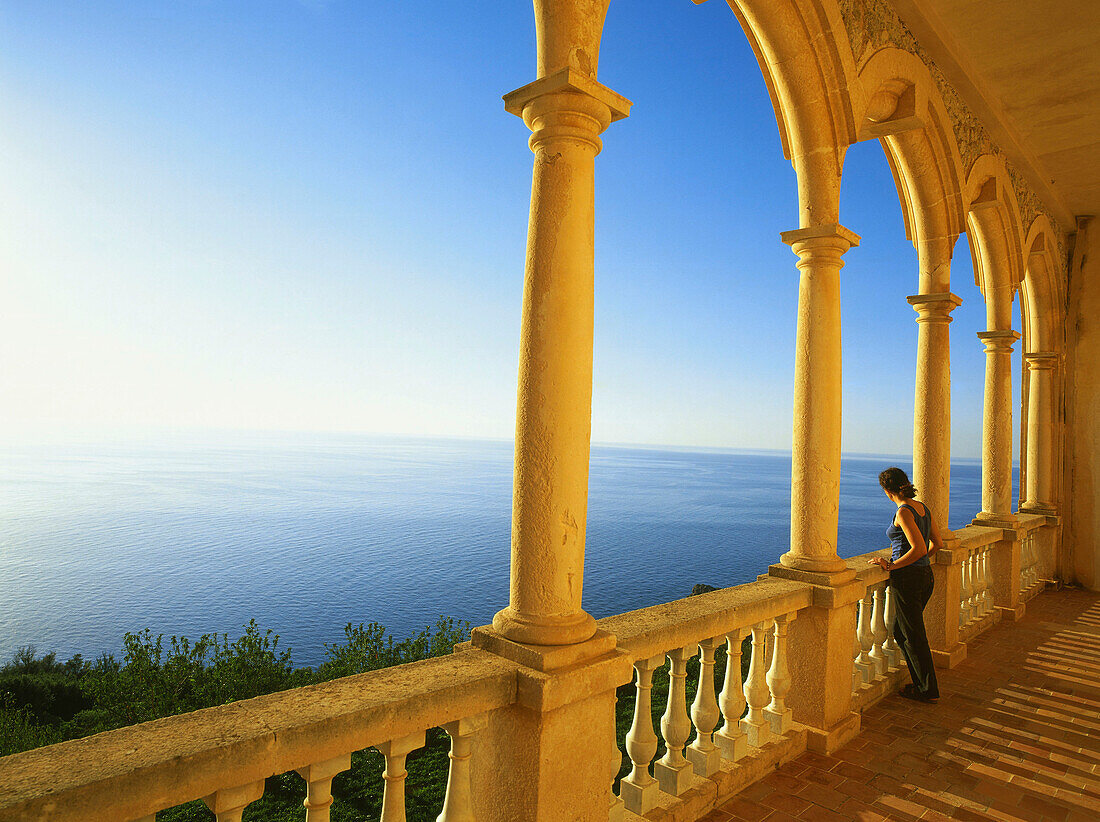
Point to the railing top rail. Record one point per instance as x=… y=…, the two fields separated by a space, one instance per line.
x=129 y=772
x=866 y=572
x=975 y=536
x=1029 y=522
x=659 y=628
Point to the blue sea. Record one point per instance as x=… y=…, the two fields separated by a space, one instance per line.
x=307 y=533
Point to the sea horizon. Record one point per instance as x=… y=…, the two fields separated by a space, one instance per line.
x=305 y=532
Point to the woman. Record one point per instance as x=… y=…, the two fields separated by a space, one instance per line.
x=913 y=539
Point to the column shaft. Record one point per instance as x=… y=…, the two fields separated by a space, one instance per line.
x=1040 y=439
x=932 y=402
x=566 y=112
x=997 y=428
x=815 y=463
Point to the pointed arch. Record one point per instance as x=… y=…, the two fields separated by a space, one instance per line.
x=996 y=241
x=807 y=64
x=899 y=104
x=1042 y=297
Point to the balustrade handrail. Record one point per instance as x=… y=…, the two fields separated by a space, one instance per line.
x=650 y=631
x=1026 y=521
x=124 y=773
x=867 y=572
x=976 y=536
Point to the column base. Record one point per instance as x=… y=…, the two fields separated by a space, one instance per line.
x=526 y=630
x=543 y=657
x=831 y=579
x=1044 y=508
x=827 y=742
x=990 y=520
x=947 y=660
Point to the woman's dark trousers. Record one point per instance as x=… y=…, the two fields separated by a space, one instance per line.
x=912 y=589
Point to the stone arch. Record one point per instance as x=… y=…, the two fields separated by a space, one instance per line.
x=1041 y=288
x=1041 y=304
x=807 y=64
x=898 y=103
x=996 y=239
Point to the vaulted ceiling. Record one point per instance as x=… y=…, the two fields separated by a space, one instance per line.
x=1030 y=69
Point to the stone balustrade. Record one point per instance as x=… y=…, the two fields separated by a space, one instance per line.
x=734 y=723
x=1032 y=566
x=978 y=547
x=729 y=735
x=876 y=656
x=222 y=755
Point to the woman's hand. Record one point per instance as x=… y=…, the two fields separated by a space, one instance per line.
x=881 y=562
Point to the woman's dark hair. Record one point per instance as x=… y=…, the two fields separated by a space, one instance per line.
x=895 y=481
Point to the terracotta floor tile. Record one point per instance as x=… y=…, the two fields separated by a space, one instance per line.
x=741 y=808
x=786 y=802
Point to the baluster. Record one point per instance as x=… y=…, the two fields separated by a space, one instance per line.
x=964 y=590
x=779 y=680
x=1031 y=563
x=615 y=810
x=458 y=801
x=979 y=585
x=672 y=770
x=1026 y=562
x=878 y=632
x=318 y=777
x=857 y=674
x=229 y=803
x=731 y=739
x=1032 y=559
x=703 y=754
x=983 y=580
x=755 y=725
x=893 y=650
x=866 y=638
x=638 y=789
x=987 y=579
x=393 y=795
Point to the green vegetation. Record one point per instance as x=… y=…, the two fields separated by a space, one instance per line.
x=43 y=701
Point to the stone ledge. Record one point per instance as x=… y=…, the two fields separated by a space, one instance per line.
x=658 y=629
x=131 y=772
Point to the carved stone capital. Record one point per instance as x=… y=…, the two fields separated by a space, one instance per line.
x=567 y=104
x=998 y=342
x=823 y=243
x=934 y=308
x=821 y=235
x=1041 y=360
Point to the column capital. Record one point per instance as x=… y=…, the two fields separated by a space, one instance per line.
x=1041 y=360
x=934 y=308
x=570 y=81
x=567 y=105
x=998 y=342
x=821 y=235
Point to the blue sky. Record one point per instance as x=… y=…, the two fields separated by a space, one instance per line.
x=312 y=216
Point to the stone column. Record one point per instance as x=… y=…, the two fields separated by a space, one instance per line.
x=820 y=639
x=932 y=466
x=815 y=464
x=997 y=430
x=932 y=402
x=566 y=111
x=1039 y=496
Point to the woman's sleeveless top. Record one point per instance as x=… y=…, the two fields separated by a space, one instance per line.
x=899 y=545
